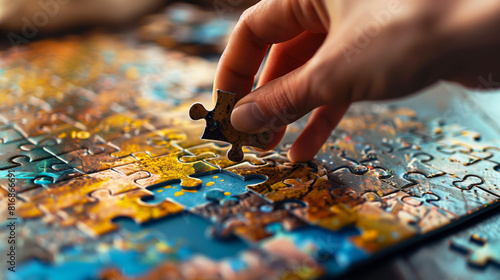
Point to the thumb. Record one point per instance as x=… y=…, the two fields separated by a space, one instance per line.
x=275 y=104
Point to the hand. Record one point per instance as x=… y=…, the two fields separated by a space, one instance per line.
x=327 y=54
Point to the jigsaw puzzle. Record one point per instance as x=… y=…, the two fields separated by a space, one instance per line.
x=110 y=180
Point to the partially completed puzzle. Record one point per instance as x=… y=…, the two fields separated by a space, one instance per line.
x=103 y=176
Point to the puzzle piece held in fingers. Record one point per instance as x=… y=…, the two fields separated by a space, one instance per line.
x=219 y=126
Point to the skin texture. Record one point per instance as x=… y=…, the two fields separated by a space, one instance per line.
x=327 y=54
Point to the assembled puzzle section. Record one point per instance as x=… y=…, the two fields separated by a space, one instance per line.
x=112 y=182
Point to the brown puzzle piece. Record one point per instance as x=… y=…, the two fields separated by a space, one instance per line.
x=219 y=126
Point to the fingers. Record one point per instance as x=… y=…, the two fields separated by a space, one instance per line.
x=284 y=58
x=276 y=103
x=268 y=22
x=318 y=129
x=290 y=55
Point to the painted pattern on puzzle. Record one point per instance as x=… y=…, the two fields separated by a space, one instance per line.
x=113 y=182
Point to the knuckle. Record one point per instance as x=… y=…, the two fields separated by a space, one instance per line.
x=330 y=81
x=247 y=13
x=309 y=14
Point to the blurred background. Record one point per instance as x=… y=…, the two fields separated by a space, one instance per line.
x=195 y=27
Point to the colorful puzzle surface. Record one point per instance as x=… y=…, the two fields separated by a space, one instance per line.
x=110 y=179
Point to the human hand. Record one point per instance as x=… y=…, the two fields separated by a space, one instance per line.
x=328 y=54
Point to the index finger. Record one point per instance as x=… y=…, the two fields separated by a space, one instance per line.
x=266 y=23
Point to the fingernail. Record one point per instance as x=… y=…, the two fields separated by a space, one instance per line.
x=248 y=118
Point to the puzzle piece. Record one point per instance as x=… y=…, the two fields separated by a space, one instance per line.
x=320 y=196
x=450 y=150
x=19 y=148
x=379 y=229
x=219 y=126
x=20 y=111
x=369 y=182
x=67 y=140
x=168 y=169
x=215 y=186
x=44 y=239
x=456 y=196
x=414 y=211
x=28 y=173
x=457 y=164
x=9 y=133
x=96 y=218
x=483 y=251
x=495 y=154
x=253 y=225
x=401 y=162
x=46 y=123
x=119 y=126
x=335 y=158
x=192 y=133
x=95 y=159
x=276 y=170
x=462 y=159
x=247 y=218
x=76 y=191
x=155 y=143
x=469 y=182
